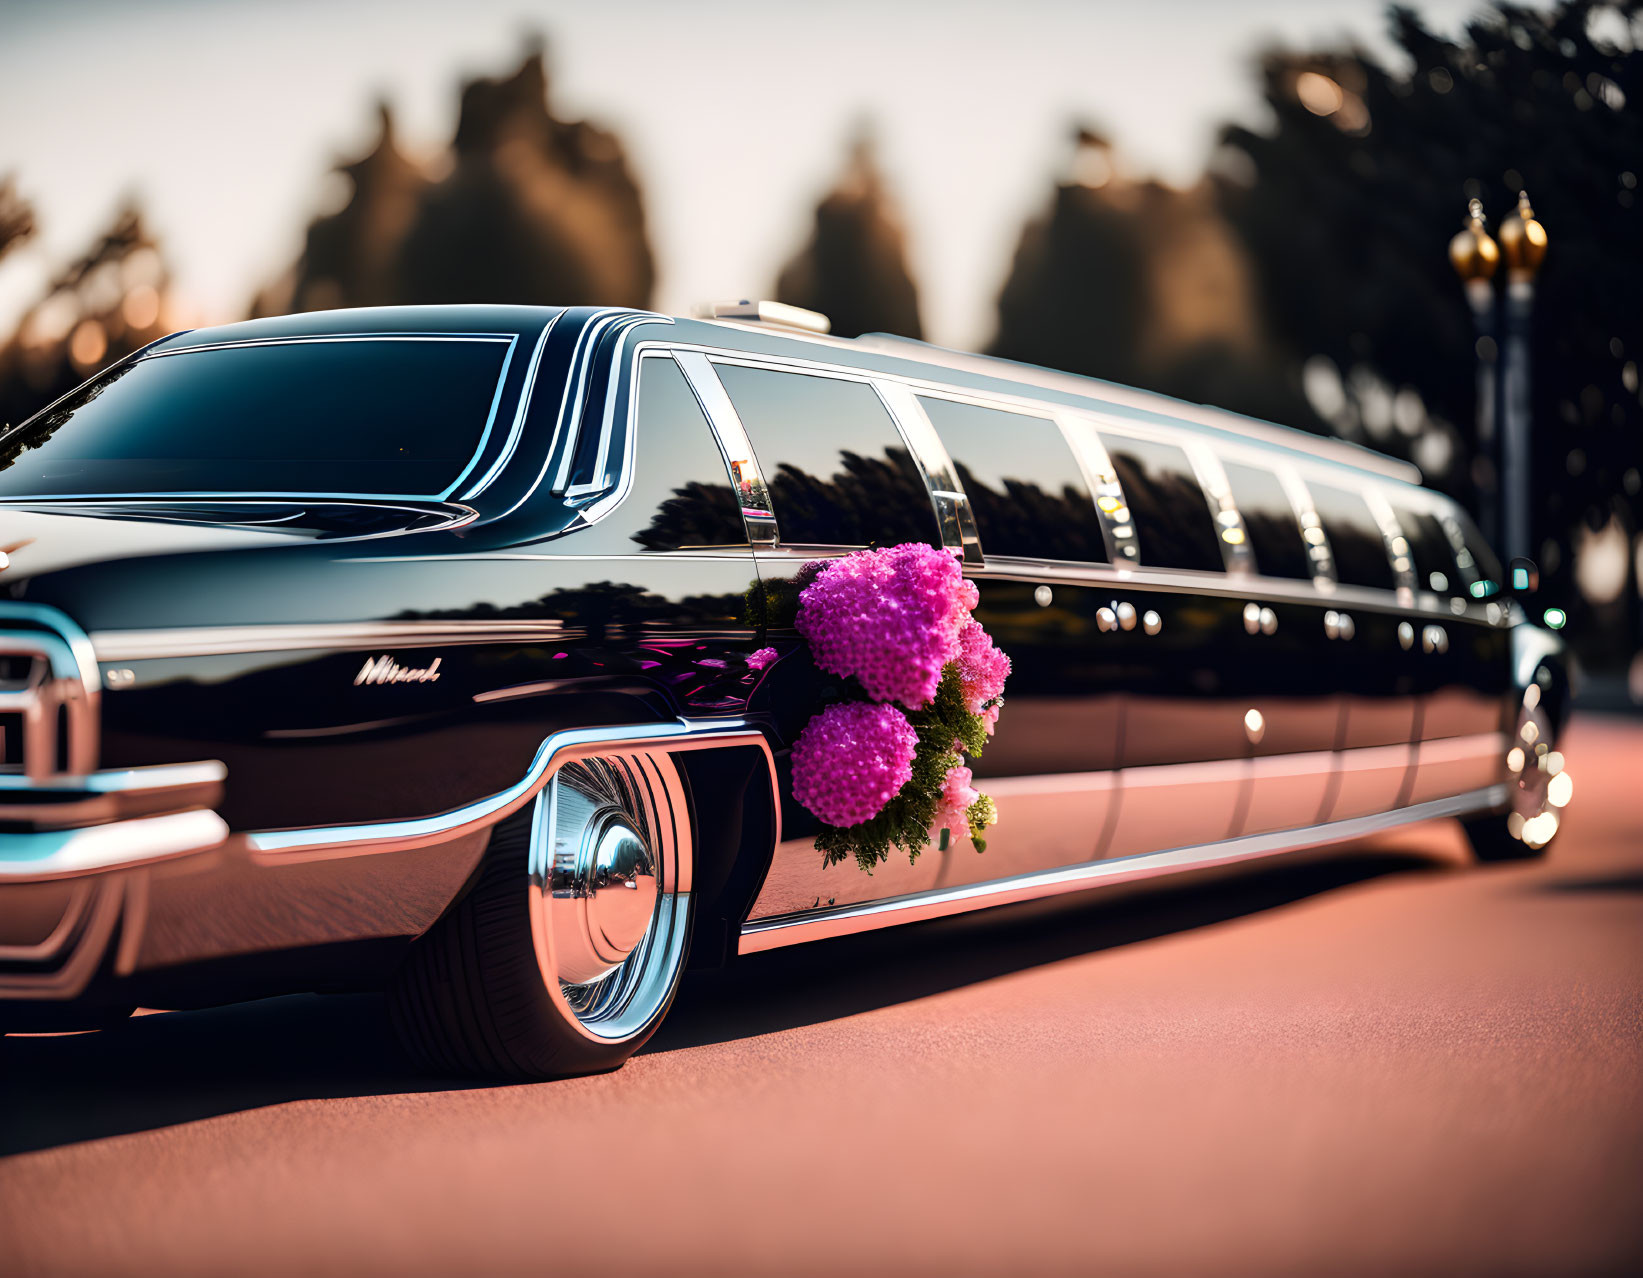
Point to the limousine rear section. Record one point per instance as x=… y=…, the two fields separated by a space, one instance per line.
x=410 y=649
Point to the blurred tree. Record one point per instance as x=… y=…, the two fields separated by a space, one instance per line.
x=108 y=303
x=533 y=209
x=1144 y=284
x=349 y=257
x=854 y=267
x=1346 y=202
x=536 y=209
x=16 y=216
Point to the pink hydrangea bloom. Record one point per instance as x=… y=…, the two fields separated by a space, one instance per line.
x=851 y=759
x=762 y=658
x=989 y=719
x=957 y=794
x=889 y=618
x=982 y=669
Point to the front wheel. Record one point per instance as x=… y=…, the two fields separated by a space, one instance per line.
x=1539 y=785
x=564 y=957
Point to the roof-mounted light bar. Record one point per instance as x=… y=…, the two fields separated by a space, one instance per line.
x=779 y=314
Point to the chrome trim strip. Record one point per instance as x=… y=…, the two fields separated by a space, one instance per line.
x=1215 y=583
x=1397 y=545
x=562 y=747
x=582 y=369
x=159 y=776
x=490 y=421
x=305 y=339
x=56 y=854
x=767 y=934
x=1236 y=552
x=758 y=515
x=1318 y=549
x=113 y=795
x=352 y=636
x=603 y=481
x=518 y=426
x=950 y=503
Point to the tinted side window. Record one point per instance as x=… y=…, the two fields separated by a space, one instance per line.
x=1354 y=537
x=1269 y=519
x=1172 y=518
x=838 y=472
x=1477 y=560
x=680 y=484
x=1023 y=482
x=1435 y=567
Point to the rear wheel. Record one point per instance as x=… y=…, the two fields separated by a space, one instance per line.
x=564 y=957
x=1539 y=787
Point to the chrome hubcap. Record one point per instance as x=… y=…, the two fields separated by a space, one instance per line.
x=610 y=881
x=604 y=895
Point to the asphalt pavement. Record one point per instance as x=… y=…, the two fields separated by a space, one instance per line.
x=1382 y=1059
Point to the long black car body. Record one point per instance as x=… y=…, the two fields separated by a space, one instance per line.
x=409 y=648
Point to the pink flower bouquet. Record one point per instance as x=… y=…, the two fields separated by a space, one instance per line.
x=923 y=682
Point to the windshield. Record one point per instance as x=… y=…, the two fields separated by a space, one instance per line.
x=362 y=417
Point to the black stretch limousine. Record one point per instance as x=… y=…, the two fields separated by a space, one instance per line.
x=410 y=648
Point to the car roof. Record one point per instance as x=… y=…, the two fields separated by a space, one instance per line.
x=872 y=352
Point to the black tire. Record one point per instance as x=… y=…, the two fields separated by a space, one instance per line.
x=1493 y=841
x=472 y=996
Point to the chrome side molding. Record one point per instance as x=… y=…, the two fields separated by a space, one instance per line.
x=815 y=925
x=354 y=636
x=566 y=746
x=57 y=854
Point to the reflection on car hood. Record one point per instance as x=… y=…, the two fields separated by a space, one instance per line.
x=40 y=537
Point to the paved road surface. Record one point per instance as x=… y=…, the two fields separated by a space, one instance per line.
x=1389 y=1061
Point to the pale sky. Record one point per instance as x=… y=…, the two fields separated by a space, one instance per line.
x=224 y=117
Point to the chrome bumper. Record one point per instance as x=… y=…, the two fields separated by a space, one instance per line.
x=67 y=826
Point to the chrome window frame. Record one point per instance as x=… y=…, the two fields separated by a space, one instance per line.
x=511 y=340
x=1080 y=428
x=949 y=530
x=1162 y=434
x=1230 y=531
x=735 y=448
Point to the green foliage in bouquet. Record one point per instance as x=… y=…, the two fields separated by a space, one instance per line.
x=906 y=821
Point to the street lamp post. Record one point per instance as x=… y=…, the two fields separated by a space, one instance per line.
x=1475 y=255
x=1523 y=246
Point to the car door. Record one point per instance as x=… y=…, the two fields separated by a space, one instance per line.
x=1377 y=673
x=1463 y=658
x=1284 y=672
x=1183 y=748
x=1051 y=764
x=828 y=472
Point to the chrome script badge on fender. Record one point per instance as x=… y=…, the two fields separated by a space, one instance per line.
x=386 y=670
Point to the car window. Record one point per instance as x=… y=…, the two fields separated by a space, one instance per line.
x=680 y=484
x=1435 y=567
x=1172 y=518
x=380 y=417
x=1269 y=521
x=1475 y=557
x=1024 y=484
x=838 y=472
x=1355 y=537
